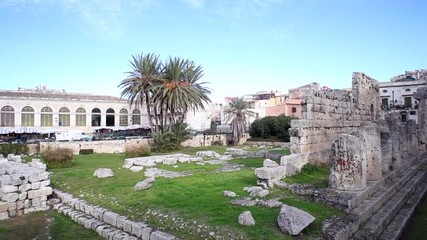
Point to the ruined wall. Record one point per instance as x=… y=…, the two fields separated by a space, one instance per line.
x=328 y=113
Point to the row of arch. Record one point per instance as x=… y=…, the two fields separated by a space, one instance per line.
x=8 y=113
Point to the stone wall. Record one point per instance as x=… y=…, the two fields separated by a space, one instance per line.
x=328 y=113
x=119 y=146
x=24 y=188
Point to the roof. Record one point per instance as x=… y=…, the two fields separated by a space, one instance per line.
x=57 y=95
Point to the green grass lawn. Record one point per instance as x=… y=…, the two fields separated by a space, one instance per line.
x=189 y=207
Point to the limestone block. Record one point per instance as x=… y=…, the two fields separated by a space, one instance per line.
x=159 y=235
x=35 y=185
x=3 y=206
x=110 y=218
x=259 y=193
x=42 y=192
x=169 y=161
x=11 y=206
x=20 y=204
x=9 y=197
x=4 y=216
x=347 y=166
x=269 y=163
x=98 y=212
x=8 y=188
x=209 y=154
x=119 y=221
x=136 y=168
x=24 y=187
x=5 y=180
x=137 y=228
x=229 y=194
x=36 y=202
x=292 y=220
x=22 y=195
x=145 y=184
x=103 y=173
x=271 y=173
x=18 y=179
x=246 y=219
x=127 y=225
x=45 y=183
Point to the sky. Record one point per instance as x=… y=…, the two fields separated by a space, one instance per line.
x=243 y=46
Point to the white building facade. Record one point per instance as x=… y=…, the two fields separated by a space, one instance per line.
x=397 y=95
x=44 y=110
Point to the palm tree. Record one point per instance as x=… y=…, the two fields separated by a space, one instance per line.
x=138 y=87
x=238 y=112
x=180 y=90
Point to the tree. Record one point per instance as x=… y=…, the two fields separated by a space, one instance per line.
x=179 y=91
x=138 y=87
x=274 y=128
x=238 y=112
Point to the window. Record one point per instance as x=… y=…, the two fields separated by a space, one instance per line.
x=384 y=91
x=7 y=116
x=96 y=117
x=384 y=103
x=27 y=117
x=46 y=117
x=294 y=109
x=80 y=117
x=136 y=116
x=64 y=116
x=123 y=118
x=408 y=102
x=110 y=117
x=413 y=112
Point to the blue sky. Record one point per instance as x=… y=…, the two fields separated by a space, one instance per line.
x=244 y=46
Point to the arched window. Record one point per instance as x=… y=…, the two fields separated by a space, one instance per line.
x=80 y=117
x=110 y=117
x=46 y=117
x=64 y=117
x=7 y=116
x=123 y=118
x=96 y=117
x=27 y=117
x=136 y=116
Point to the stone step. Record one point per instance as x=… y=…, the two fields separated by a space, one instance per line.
x=104 y=230
x=394 y=230
x=373 y=228
x=372 y=204
x=400 y=176
x=368 y=206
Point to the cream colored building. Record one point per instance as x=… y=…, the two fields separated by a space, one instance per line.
x=45 y=110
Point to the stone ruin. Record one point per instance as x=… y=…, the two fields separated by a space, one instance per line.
x=24 y=188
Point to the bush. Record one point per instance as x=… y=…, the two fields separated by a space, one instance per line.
x=216 y=143
x=138 y=151
x=163 y=142
x=85 y=151
x=58 y=158
x=272 y=128
x=13 y=148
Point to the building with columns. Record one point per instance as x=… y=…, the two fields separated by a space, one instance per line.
x=45 y=110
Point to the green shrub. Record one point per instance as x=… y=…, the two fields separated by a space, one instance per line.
x=216 y=143
x=163 y=142
x=138 y=151
x=13 y=148
x=85 y=151
x=58 y=158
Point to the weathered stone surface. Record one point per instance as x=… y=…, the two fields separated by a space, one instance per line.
x=159 y=235
x=271 y=174
x=292 y=220
x=209 y=154
x=371 y=150
x=259 y=193
x=103 y=173
x=145 y=184
x=136 y=168
x=229 y=194
x=245 y=218
x=347 y=166
x=269 y=163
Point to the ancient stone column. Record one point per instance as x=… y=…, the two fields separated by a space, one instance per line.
x=371 y=150
x=421 y=96
x=347 y=166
